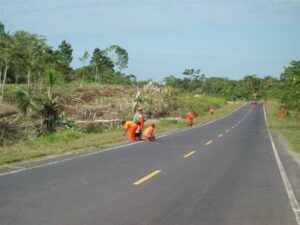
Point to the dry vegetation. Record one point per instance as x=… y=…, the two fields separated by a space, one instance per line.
x=90 y=116
x=89 y=108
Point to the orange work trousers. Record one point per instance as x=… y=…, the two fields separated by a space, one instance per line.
x=282 y=115
x=131 y=132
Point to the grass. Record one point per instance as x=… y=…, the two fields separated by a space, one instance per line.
x=60 y=143
x=68 y=141
x=199 y=104
x=289 y=127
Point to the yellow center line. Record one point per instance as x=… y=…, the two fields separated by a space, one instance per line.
x=220 y=135
x=142 y=180
x=207 y=143
x=227 y=130
x=232 y=127
x=189 y=154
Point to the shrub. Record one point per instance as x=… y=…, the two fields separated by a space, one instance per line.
x=9 y=133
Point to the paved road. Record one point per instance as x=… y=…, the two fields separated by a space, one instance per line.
x=223 y=173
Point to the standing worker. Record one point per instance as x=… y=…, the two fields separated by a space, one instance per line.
x=211 y=110
x=190 y=118
x=148 y=133
x=282 y=113
x=130 y=128
x=139 y=118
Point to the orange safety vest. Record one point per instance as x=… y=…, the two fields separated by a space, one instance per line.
x=149 y=132
x=190 y=117
x=141 y=120
x=282 y=113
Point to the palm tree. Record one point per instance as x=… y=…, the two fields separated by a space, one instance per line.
x=50 y=114
x=26 y=100
x=47 y=107
x=52 y=80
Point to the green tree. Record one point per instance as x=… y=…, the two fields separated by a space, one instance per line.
x=290 y=79
x=7 y=55
x=2 y=29
x=32 y=48
x=253 y=84
x=64 y=57
x=192 y=74
x=101 y=63
x=119 y=56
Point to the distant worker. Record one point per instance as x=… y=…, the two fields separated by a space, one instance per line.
x=211 y=111
x=148 y=133
x=139 y=118
x=130 y=128
x=282 y=113
x=190 y=118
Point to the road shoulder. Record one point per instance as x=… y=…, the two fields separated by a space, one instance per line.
x=290 y=161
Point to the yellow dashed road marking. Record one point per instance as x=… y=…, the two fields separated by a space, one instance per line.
x=220 y=135
x=189 y=154
x=207 y=143
x=142 y=180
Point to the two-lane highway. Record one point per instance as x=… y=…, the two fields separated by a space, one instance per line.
x=222 y=173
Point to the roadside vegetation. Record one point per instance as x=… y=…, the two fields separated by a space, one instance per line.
x=289 y=127
x=67 y=141
x=48 y=108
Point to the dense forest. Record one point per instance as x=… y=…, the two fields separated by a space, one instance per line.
x=33 y=69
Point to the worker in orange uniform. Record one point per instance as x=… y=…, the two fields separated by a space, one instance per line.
x=282 y=113
x=190 y=118
x=139 y=118
x=130 y=128
x=148 y=133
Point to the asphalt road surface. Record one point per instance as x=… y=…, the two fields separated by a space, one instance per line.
x=222 y=173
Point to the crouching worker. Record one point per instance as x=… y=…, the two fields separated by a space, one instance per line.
x=130 y=128
x=148 y=133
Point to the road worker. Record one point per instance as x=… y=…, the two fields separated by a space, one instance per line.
x=190 y=118
x=148 y=133
x=211 y=110
x=130 y=128
x=282 y=113
x=139 y=118
x=138 y=132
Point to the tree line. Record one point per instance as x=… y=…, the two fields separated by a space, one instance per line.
x=251 y=87
x=26 y=58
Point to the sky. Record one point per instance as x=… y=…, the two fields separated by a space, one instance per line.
x=224 y=38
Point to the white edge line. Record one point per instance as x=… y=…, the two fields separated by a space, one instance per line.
x=68 y=159
x=116 y=147
x=287 y=184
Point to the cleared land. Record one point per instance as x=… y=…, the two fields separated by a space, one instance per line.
x=90 y=104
